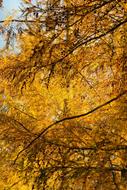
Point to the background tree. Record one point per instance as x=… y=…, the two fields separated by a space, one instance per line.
x=67 y=130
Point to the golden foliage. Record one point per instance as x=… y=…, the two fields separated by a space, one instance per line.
x=63 y=104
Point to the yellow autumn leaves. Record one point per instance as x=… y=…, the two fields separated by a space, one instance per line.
x=7 y=21
x=26 y=1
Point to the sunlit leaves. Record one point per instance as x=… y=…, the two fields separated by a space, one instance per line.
x=7 y=21
x=50 y=80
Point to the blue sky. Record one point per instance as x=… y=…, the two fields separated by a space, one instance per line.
x=9 y=7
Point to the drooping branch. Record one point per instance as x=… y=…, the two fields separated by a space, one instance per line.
x=14 y=122
x=84 y=41
x=68 y=119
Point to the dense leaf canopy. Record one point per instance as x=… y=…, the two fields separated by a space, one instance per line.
x=63 y=96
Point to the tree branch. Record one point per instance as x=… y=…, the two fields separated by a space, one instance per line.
x=68 y=119
x=88 y=40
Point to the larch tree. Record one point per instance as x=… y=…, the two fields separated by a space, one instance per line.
x=63 y=96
